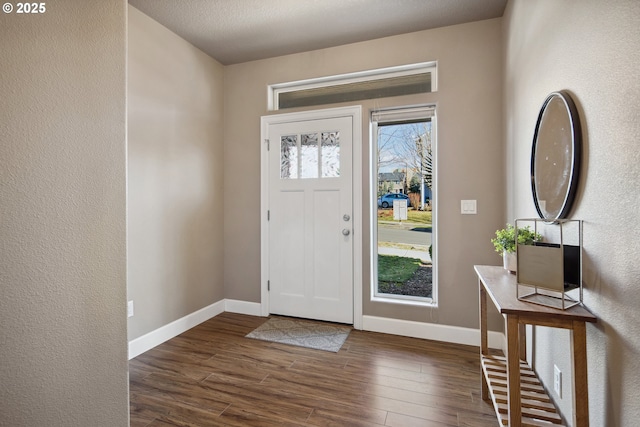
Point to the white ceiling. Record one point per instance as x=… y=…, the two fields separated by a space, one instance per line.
x=235 y=31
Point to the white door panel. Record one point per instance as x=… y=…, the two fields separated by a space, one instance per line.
x=309 y=196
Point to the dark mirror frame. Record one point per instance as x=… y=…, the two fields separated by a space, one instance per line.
x=576 y=142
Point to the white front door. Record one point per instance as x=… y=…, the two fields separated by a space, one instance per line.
x=310 y=218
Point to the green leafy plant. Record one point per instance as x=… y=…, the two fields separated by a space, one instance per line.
x=505 y=240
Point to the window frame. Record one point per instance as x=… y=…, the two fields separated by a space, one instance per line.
x=390 y=116
x=274 y=90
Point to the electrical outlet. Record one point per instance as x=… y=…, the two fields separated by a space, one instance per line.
x=557 y=381
x=130 y=309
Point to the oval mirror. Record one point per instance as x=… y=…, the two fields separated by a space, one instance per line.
x=555 y=157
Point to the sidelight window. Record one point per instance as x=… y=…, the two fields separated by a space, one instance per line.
x=403 y=202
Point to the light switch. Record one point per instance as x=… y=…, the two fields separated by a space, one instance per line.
x=468 y=207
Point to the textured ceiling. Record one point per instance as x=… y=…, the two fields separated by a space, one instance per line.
x=234 y=31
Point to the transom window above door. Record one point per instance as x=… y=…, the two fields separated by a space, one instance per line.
x=400 y=80
x=310 y=155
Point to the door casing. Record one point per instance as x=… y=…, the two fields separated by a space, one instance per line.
x=355 y=112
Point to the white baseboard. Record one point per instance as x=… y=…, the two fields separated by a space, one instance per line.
x=175 y=328
x=431 y=331
x=243 y=307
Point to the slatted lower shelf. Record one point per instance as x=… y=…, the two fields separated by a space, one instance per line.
x=537 y=408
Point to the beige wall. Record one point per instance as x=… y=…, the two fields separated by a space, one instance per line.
x=590 y=48
x=175 y=167
x=62 y=186
x=470 y=157
x=63 y=343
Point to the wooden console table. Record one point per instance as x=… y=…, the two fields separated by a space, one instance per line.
x=516 y=392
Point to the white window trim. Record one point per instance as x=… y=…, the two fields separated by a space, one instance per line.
x=391 y=115
x=274 y=90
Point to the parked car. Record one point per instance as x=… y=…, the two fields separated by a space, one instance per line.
x=387 y=200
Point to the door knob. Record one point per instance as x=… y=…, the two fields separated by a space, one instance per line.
x=346 y=231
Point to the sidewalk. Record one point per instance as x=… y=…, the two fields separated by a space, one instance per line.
x=405 y=253
x=402 y=225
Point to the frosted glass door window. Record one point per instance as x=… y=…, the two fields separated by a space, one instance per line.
x=309 y=155
x=303 y=156
x=289 y=157
x=330 y=154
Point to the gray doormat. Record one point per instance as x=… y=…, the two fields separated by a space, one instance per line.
x=303 y=333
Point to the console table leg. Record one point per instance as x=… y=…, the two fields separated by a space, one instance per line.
x=513 y=371
x=580 y=387
x=484 y=345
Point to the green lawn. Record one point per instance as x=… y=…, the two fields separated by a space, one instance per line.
x=396 y=269
x=414 y=216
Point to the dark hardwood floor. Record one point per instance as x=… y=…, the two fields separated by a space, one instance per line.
x=212 y=375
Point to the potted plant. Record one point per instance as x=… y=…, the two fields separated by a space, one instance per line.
x=505 y=243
